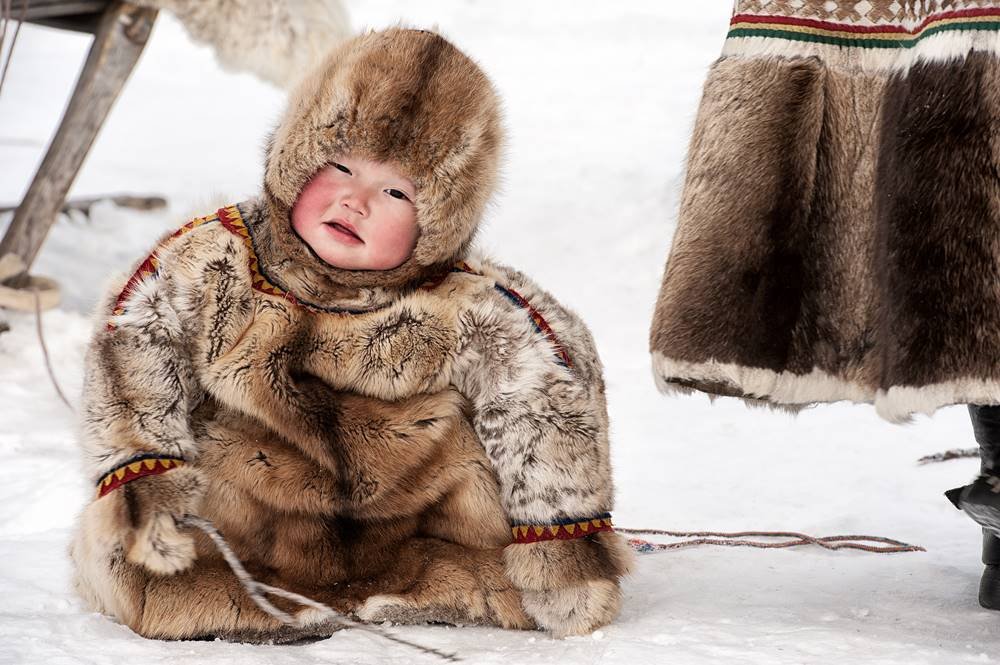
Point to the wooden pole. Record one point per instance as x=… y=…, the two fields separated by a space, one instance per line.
x=120 y=39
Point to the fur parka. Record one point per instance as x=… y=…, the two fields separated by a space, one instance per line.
x=839 y=231
x=427 y=443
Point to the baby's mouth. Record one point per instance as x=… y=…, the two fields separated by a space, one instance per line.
x=343 y=231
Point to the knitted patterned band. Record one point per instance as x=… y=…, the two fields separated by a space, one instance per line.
x=891 y=36
x=561 y=530
x=137 y=467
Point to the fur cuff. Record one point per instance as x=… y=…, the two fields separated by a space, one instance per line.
x=574 y=610
x=570 y=587
x=555 y=564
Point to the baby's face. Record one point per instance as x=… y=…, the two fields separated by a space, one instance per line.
x=358 y=215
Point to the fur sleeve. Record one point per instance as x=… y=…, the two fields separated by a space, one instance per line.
x=531 y=370
x=139 y=382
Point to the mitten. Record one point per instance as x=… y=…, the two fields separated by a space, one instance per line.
x=149 y=495
x=570 y=587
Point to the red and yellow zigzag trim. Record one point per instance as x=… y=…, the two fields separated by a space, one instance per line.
x=563 y=530
x=862 y=36
x=232 y=220
x=137 y=467
x=151 y=265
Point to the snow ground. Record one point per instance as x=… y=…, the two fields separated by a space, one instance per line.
x=599 y=99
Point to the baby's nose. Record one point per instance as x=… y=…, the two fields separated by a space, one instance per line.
x=355 y=204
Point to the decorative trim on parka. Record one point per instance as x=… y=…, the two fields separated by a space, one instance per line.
x=232 y=221
x=151 y=264
x=561 y=530
x=140 y=466
x=892 y=36
x=542 y=326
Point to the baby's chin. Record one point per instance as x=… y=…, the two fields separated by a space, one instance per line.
x=358 y=261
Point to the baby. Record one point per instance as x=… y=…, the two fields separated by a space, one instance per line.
x=369 y=414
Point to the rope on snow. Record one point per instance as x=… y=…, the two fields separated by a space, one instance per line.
x=45 y=351
x=740 y=539
x=954 y=453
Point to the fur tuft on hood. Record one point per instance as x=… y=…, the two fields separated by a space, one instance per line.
x=403 y=96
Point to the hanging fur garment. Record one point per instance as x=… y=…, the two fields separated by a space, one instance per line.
x=278 y=40
x=839 y=233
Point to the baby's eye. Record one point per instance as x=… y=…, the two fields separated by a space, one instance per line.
x=341 y=167
x=397 y=194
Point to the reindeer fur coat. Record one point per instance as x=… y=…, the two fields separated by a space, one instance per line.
x=839 y=232
x=427 y=443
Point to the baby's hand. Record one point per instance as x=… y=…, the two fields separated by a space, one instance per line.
x=149 y=509
x=570 y=587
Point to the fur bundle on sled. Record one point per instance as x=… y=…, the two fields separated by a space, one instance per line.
x=277 y=40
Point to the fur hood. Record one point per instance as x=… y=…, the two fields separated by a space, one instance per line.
x=404 y=96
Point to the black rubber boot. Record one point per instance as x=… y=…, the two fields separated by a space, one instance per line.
x=986 y=425
x=980 y=500
x=989 y=585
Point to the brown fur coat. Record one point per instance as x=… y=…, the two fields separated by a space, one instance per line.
x=839 y=234
x=368 y=439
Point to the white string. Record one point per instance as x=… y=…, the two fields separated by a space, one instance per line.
x=257 y=590
x=45 y=350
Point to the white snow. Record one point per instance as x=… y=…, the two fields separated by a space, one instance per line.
x=599 y=100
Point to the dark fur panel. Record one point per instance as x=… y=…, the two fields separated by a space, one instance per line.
x=837 y=321
x=407 y=345
x=939 y=222
x=733 y=287
x=228 y=301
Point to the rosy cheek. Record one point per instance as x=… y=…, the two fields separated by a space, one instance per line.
x=399 y=243
x=313 y=201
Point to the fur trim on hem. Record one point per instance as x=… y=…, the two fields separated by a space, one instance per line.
x=765 y=387
x=785 y=391
x=899 y=403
